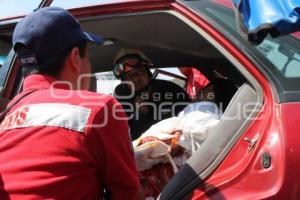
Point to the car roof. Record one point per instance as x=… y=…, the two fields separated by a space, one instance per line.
x=8 y=9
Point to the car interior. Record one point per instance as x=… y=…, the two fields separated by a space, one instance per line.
x=171 y=40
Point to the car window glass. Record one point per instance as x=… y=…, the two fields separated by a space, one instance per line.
x=279 y=57
x=173 y=70
x=286 y=60
x=4 y=50
x=2 y=59
x=79 y=3
x=4 y=69
x=16 y=8
x=106 y=82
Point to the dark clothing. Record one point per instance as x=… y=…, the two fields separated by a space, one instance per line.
x=159 y=100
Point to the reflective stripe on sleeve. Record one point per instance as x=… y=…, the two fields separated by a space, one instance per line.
x=48 y=114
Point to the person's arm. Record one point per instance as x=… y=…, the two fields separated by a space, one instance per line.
x=114 y=152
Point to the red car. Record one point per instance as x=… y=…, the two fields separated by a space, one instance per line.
x=253 y=153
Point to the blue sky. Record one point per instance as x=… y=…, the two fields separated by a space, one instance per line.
x=10 y=8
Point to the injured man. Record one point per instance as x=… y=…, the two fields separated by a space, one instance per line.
x=166 y=146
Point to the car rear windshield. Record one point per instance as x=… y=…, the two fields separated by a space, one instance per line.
x=279 y=57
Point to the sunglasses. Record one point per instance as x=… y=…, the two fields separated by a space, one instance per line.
x=140 y=66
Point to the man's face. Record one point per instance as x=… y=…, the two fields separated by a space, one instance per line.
x=138 y=76
x=85 y=79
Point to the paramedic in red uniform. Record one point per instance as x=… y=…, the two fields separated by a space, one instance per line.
x=58 y=141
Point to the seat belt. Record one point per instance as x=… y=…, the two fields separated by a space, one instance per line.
x=13 y=103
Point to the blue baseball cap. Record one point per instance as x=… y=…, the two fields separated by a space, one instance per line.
x=47 y=32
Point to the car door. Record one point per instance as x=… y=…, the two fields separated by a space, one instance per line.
x=254 y=167
x=200 y=166
x=241 y=159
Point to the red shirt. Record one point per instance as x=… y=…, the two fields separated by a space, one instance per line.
x=58 y=143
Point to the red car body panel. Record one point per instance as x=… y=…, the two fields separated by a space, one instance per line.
x=240 y=175
x=126 y=7
x=291 y=121
x=297 y=34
